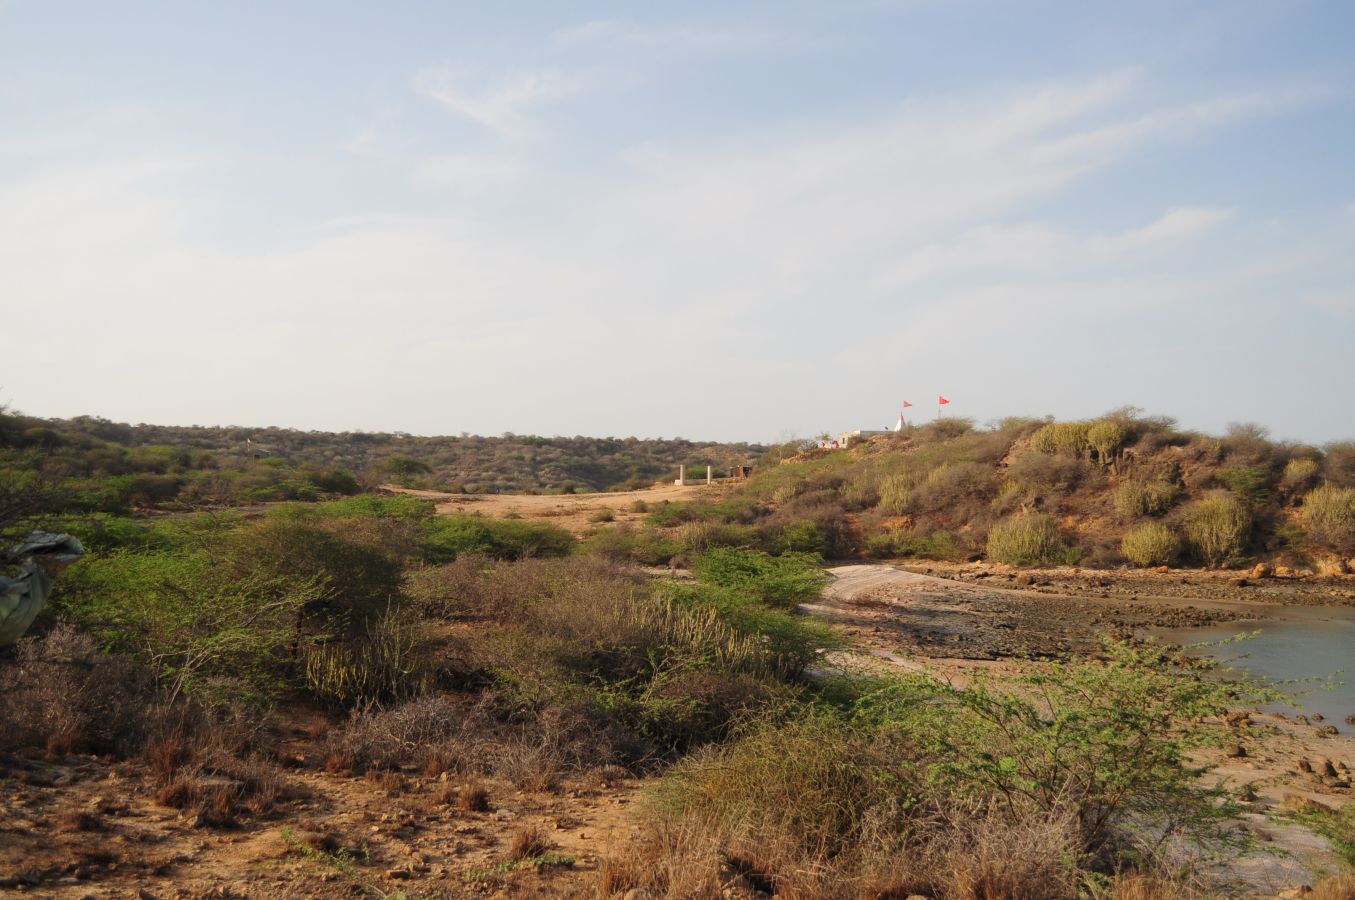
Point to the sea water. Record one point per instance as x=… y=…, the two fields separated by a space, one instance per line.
x=1312 y=650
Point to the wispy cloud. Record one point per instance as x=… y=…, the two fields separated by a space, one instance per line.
x=501 y=106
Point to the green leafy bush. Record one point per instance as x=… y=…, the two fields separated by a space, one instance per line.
x=1026 y=539
x=1217 y=527
x=782 y=581
x=447 y=537
x=1151 y=544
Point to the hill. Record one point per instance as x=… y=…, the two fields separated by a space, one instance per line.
x=112 y=467
x=1123 y=488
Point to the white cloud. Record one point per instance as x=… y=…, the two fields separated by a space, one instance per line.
x=787 y=262
x=501 y=107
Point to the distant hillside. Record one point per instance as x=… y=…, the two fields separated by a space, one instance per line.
x=112 y=466
x=1120 y=489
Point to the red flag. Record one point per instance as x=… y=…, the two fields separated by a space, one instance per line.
x=906 y=404
x=941 y=401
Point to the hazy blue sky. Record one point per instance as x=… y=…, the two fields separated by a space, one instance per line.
x=737 y=221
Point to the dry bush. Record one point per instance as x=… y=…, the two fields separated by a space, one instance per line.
x=1151 y=544
x=894 y=495
x=1329 y=517
x=458 y=590
x=443 y=795
x=62 y=694
x=676 y=860
x=1027 y=539
x=1134 y=499
x=1217 y=527
x=1301 y=471
x=375 y=738
x=528 y=842
x=1062 y=437
x=1337 y=887
x=1338 y=464
x=1053 y=473
x=988 y=856
x=952 y=484
x=472 y=797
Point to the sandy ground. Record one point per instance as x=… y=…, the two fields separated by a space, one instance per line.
x=77 y=827
x=575 y=512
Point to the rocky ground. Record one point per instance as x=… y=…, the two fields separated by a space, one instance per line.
x=78 y=827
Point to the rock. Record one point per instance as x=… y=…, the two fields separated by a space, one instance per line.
x=1262 y=570
x=1304 y=765
x=398 y=874
x=1328 y=730
x=1302 y=890
x=1241 y=582
x=1237 y=751
x=1316 y=717
x=1350 y=719
x=1162 y=570
x=1284 y=572
x=1328 y=768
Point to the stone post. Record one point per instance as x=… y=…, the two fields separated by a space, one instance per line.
x=682 y=474
x=709 y=478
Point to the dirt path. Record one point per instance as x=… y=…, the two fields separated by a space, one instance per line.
x=576 y=512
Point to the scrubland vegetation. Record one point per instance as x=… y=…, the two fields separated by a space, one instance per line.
x=507 y=649
x=1122 y=489
x=111 y=467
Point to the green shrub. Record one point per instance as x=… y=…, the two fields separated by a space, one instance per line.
x=931 y=789
x=1151 y=544
x=1329 y=517
x=375 y=506
x=385 y=663
x=1217 y=527
x=783 y=581
x=1027 y=539
x=447 y=537
x=625 y=543
x=1251 y=483
x=206 y=629
x=925 y=545
x=893 y=495
x=1105 y=436
x=1062 y=437
x=1301 y=470
x=1134 y=499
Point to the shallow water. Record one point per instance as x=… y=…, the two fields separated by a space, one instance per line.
x=1314 y=643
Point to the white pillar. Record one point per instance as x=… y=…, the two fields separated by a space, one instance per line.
x=682 y=474
x=709 y=479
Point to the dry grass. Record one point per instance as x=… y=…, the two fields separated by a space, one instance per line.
x=472 y=797
x=528 y=842
x=1338 y=887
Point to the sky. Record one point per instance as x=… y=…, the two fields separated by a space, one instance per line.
x=719 y=221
